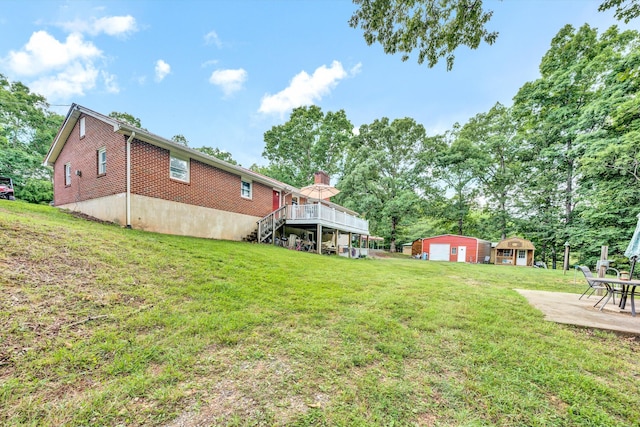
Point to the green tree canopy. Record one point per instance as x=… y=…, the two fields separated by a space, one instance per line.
x=180 y=139
x=436 y=28
x=382 y=174
x=27 y=130
x=126 y=118
x=309 y=142
x=495 y=163
x=454 y=167
x=218 y=153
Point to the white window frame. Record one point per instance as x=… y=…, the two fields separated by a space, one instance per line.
x=67 y=174
x=83 y=127
x=249 y=183
x=178 y=173
x=102 y=164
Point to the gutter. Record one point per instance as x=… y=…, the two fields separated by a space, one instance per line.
x=133 y=134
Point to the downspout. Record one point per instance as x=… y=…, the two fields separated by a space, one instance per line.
x=133 y=134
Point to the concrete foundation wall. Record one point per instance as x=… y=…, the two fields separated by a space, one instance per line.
x=109 y=208
x=163 y=216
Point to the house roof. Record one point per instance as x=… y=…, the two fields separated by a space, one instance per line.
x=456 y=235
x=515 y=242
x=126 y=129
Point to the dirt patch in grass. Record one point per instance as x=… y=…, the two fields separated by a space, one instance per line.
x=263 y=389
x=88 y=217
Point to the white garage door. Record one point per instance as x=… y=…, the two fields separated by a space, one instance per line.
x=439 y=252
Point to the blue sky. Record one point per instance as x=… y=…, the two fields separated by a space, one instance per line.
x=221 y=73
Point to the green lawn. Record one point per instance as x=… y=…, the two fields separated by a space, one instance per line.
x=106 y=326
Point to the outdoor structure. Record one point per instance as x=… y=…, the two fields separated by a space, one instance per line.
x=454 y=248
x=514 y=251
x=416 y=247
x=117 y=172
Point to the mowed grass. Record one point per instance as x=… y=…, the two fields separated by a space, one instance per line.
x=102 y=325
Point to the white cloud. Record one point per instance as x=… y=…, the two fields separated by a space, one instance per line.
x=110 y=25
x=60 y=69
x=212 y=38
x=229 y=81
x=355 y=70
x=162 y=70
x=44 y=53
x=74 y=80
x=110 y=82
x=209 y=63
x=305 y=89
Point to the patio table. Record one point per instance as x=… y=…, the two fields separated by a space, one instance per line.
x=628 y=286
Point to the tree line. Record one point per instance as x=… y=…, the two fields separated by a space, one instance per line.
x=560 y=165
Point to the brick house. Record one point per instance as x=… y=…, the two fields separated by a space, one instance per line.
x=117 y=172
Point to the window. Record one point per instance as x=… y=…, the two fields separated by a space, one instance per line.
x=102 y=161
x=67 y=174
x=245 y=189
x=294 y=200
x=82 y=127
x=454 y=251
x=179 y=168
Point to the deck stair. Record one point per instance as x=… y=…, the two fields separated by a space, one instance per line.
x=268 y=225
x=251 y=238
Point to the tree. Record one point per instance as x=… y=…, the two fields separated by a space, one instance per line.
x=309 y=142
x=217 y=153
x=626 y=10
x=436 y=28
x=382 y=174
x=126 y=118
x=27 y=129
x=433 y=27
x=495 y=162
x=180 y=139
x=454 y=168
x=609 y=163
x=556 y=112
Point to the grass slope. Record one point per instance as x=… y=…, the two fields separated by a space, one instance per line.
x=108 y=326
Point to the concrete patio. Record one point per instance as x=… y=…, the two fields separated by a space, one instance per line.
x=566 y=308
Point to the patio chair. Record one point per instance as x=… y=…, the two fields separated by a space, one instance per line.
x=606 y=264
x=594 y=285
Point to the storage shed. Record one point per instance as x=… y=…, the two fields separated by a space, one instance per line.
x=414 y=248
x=514 y=251
x=450 y=247
x=406 y=248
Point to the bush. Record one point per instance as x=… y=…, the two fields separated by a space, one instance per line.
x=36 y=191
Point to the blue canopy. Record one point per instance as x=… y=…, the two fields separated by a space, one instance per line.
x=633 y=250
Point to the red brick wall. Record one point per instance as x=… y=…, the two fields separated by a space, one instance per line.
x=209 y=186
x=83 y=156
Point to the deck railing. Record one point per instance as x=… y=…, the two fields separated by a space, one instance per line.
x=314 y=213
x=327 y=216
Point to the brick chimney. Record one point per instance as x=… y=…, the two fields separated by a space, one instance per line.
x=321 y=177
